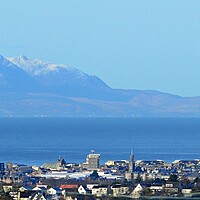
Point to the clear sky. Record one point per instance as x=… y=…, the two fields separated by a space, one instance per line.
x=132 y=44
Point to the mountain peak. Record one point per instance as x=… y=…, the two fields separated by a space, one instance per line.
x=23 y=57
x=35 y=67
x=6 y=63
x=49 y=74
x=13 y=78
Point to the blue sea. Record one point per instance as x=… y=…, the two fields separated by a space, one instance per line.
x=34 y=141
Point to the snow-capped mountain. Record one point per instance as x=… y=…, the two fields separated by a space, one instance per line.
x=36 y=67
x=30 y=87
x=13 y=78
x=54 y=75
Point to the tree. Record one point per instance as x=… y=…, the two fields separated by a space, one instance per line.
x=173 y=178
x=159 y=181
x=138 y=179
x=94 y=175
x=147 y=192
x=196 y=180
x=185 y=182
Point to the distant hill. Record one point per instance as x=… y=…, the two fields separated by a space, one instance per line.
x=60 y=79
x=30 y=87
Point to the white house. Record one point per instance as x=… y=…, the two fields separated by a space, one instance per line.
x=7 y=188
x=138 y=188
x=156 y=188
x=135 y=195
x=22 y=189
x=186 y=192
x=51 y=191
x=91 y=185
x=119 y=189
x=99 y=190
x=38 y=197
x=82 y=190
x=43 y=189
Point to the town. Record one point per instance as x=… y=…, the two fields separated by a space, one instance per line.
x=115 y=179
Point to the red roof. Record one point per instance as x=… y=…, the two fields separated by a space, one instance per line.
x=68 y=186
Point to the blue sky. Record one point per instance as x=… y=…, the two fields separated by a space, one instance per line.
x=132 y=44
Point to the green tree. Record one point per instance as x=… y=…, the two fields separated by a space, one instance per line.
x=196 y=180
x=138 y=178
x=94 y=175
x=147 y=192
x=173 y=178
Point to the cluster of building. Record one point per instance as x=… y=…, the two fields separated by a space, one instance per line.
x=123 y=179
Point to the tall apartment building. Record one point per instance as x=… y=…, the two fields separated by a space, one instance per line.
x=93 y=161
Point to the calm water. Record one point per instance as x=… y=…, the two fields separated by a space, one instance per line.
x=39 y=140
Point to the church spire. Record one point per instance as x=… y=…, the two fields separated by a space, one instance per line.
x=131 y=162
x=131 y=168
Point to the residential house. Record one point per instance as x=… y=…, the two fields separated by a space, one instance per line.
x=100 y=190
x=83 y=190
x=155 y=189
x=41 y=189
x=54 y=191
x=67 y=188
x=7 y=188
x=119 y=189
x=22 y=189
x=136 y=193
x=37 y=196
x=91 y=185
x=138 y=188
x=171 y=188
x=26 y=195
x=186 y=192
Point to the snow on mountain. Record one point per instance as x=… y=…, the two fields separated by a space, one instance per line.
x=6 y=63
x=14 y=78
x=51 y=75
x=30 y=87
x=36 y=67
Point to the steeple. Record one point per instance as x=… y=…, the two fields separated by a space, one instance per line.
x=131 y=163
x=131 y=168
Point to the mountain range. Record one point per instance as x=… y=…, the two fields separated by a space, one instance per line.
x=31 y=87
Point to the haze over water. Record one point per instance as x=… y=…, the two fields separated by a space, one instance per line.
x=39 y=140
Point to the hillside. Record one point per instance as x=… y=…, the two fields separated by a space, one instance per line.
x=31 y=87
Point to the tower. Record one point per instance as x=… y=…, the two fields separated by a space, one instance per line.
x=130 y=174
x=131 y=163
x=92 y=161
